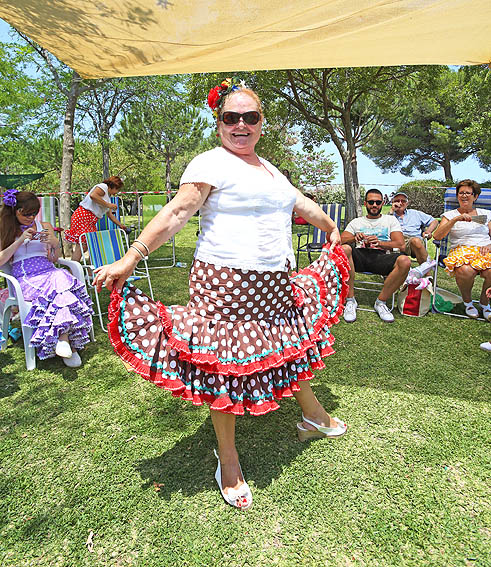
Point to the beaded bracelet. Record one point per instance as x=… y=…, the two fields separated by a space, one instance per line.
x=143 y=244
x=139 y=252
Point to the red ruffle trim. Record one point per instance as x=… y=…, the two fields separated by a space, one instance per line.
x=208 y=362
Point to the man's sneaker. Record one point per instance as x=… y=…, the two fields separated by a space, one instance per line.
x=486 y=311
x=383 y=312
x=471 y=311
x=350 y=311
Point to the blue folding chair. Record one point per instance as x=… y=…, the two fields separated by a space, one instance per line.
x=105 y=223
x=105 y=247
x=316 y=238
x=450 y=202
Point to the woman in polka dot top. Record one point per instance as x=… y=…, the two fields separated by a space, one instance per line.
x=61 y=309
x=250 y=334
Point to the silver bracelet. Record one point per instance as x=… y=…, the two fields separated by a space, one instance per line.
x=143 y=244
x=139 y=252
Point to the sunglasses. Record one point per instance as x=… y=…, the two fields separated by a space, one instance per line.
x=374 y=202
x=251 y=117
x=28 y=215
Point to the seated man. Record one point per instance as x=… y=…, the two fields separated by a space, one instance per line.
x=374 y=236
x=411 y=222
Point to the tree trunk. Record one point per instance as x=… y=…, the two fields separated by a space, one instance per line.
x=167 y=176
x=447 y=168
x=351 y=189
x=68 y=150
x=105 y=154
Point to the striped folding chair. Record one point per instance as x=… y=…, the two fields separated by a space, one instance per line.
x=49 y=212
x=451 y=202
x=105 y=223
x=105 y=247
x=316 y=238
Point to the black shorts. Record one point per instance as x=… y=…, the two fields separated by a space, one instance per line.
x=376 y=261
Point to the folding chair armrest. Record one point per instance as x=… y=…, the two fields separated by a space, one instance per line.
x=437 y=243
x=87 y=269
x=74 y=267
x=302 y=233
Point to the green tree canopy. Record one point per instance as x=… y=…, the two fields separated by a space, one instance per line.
x=474 y=109
x=423 y=131
x=162 y=125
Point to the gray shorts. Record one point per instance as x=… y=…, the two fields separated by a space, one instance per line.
x=407 y=251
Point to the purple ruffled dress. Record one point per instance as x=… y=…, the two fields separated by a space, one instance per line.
x=60 y=303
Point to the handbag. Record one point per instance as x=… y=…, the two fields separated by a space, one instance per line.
x=414 y=302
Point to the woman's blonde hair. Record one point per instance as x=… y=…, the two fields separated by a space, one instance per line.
x=243 y=90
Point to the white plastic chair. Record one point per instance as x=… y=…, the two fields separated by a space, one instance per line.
x=16 y=299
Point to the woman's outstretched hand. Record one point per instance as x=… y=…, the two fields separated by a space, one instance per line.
x=334 y=239
x=113 y=275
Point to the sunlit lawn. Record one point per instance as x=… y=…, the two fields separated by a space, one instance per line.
x=98 y=455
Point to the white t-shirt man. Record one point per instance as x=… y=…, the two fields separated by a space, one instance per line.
x=381 y=227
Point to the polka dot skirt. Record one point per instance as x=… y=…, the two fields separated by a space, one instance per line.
x=82 y=221
x=245 y=338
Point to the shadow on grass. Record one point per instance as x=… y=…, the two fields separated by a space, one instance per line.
x=189 y=467
x=434 y=355
x=8 y=382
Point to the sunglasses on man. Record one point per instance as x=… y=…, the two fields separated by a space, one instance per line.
x=374 y=202
x=251 y=117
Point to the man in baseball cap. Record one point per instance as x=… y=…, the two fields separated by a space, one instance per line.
x=415 y=226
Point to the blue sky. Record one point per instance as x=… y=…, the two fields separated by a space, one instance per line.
x=369 y=174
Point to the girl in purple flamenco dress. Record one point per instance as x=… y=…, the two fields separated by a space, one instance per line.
x=61 y=308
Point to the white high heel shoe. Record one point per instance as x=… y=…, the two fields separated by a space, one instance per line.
x=240 y=498
x=320 y=430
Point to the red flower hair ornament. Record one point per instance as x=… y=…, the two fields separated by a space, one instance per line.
x=218 y=93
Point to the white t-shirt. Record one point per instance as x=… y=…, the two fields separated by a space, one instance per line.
x=465 y=233
x=381 y=227
x=98 y=210
x=246 y=219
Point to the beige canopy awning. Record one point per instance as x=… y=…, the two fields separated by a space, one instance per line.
x=109 y=38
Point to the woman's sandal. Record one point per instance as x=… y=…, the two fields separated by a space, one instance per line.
x=240 y=498
x=320 y=430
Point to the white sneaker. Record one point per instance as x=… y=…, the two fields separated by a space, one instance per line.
x=486 y=346
x=74 y=361
x=486 y=311
x=383 y=312
x=471 y=311
x=350 y=311
x=63 y=349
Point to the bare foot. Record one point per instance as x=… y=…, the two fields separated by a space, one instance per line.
x=231 y=475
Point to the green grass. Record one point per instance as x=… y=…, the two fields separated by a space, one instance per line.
x=100 y=450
